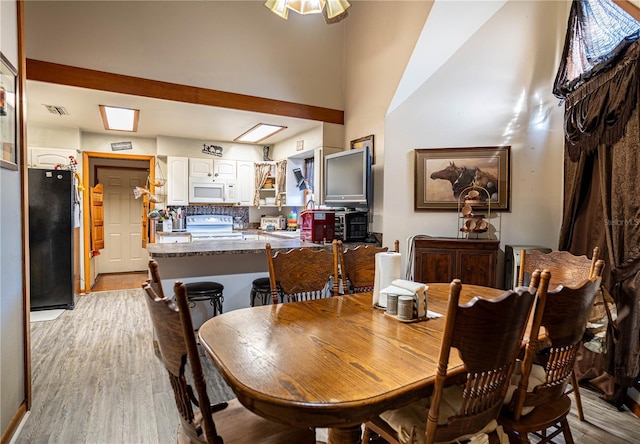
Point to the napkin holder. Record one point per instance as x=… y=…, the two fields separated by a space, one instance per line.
x=408 y=288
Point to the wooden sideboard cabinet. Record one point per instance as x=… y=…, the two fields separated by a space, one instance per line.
x=473 y=261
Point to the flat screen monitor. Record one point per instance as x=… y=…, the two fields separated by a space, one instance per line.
x=347 y=179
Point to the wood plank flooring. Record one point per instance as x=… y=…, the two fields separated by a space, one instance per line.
x=97 y=379
x=119 y=281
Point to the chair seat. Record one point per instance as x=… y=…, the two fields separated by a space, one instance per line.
x=203 y=288
x=261 y=284
x=540 y=418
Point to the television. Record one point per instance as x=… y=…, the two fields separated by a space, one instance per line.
x=347 y=179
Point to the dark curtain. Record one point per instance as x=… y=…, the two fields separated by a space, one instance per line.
x=602 y=184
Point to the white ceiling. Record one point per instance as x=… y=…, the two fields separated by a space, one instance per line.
x=157 y=117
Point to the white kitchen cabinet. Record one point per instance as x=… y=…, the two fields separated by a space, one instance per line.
x=48 y=158
x=214 y=168
x=224 y=169
x=200 y=167
x=177 y=180
x=245 y=171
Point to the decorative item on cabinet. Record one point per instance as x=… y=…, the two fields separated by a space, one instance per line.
x=470 y=222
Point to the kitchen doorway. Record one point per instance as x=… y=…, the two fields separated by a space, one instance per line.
x=92 y=163
x=123 y=250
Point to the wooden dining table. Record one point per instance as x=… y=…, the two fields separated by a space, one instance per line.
x=335 y=362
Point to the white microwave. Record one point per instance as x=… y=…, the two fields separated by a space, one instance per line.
x=205 y=190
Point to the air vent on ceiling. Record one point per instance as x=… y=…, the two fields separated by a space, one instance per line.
x=57 y=110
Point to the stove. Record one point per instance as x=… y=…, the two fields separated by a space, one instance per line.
x=211 y=227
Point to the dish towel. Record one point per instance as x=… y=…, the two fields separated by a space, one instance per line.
x=388 y=266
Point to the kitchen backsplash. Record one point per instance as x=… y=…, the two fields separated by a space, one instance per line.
x=226 y=210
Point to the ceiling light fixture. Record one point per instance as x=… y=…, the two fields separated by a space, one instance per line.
x=119 y=119
x=259 y=132
x=333 y=10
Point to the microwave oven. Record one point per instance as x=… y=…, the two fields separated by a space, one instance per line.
x=206 y=190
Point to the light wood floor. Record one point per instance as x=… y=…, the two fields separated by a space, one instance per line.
x=97 y=379
x=119 y=281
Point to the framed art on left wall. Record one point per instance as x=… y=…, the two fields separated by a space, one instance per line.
x=8 y=114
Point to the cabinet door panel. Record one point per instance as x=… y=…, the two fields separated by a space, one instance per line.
x=444 y=259
x=224 y=169
x=476 y=267
x=177 y=181
x=434 y=265
x=201 y=167
x=48 y=158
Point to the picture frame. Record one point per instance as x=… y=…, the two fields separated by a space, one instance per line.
x=442 y=174
x=8 y=114
x=363 y=142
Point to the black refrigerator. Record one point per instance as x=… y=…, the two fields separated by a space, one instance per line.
x=51 y=221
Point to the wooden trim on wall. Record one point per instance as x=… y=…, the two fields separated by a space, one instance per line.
x=26 y=272
x=104 y=81
x=14 y=424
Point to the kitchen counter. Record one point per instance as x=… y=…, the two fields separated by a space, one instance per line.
x=253 y=243
x=234 y=263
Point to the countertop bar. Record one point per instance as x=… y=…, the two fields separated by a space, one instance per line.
x=227 y=246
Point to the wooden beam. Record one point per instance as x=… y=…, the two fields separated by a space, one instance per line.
x=105 y=81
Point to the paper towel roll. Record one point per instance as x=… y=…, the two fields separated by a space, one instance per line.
x=388 y=268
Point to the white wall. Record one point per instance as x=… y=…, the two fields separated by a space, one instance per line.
x=12 y=340
x=47 y=136
x=179 y=146
x=234 y=46
x=380 y=37
x=495 y=90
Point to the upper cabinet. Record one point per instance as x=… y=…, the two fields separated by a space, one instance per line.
x=245 y=182
x=177 y=180
x=48 y=158
x=213 y=168
x=200 y=167
x=224 y=169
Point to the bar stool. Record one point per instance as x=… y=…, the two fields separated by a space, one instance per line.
x=206 y=291
x=260 y=287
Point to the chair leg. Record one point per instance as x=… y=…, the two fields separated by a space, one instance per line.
x=366 y=435
x=566 y=431
x=576 y=394
x=252 y=297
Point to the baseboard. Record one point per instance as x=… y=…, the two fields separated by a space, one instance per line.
x=15 y=425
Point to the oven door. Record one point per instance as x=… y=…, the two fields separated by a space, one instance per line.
x=206 y=191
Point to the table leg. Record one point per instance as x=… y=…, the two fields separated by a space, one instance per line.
x=345 y=435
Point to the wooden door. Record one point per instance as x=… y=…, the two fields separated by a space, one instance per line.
x=97 y=217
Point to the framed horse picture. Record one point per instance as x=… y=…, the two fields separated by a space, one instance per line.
x=443 y=176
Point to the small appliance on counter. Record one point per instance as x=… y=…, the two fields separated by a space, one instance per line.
x=317 y=225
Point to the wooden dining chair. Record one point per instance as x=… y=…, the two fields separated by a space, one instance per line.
x=201 y=422
x=357 y=266
x=302 y=273
x=540 y=401
x=565 y=268
x=568 y=270
x=487 y=334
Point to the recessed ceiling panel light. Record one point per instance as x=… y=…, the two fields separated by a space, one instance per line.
x=119 y=119
x=259 y=132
